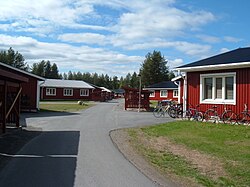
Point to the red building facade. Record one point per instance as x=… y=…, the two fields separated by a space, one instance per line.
x=55 y=89
x=222 y=80
x=166 y=90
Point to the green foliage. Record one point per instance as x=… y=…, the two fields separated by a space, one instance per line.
x=14 y=59
x=45 y=69
x=154 y=69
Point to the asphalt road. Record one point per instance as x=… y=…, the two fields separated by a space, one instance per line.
x=76 y=150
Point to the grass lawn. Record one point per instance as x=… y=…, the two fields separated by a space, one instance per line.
x=224 y=146
x=63 y=107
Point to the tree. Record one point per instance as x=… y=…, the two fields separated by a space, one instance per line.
x=44 y=69
x=14 y=59
x=154 y=69
x=134 y=81
x=54 y=72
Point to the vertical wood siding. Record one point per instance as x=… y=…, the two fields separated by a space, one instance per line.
x=157 y=96
x=242 y=90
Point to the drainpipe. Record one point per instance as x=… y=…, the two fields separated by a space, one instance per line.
x=185 y=93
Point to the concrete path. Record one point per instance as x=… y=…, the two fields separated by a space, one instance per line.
x=76 y=150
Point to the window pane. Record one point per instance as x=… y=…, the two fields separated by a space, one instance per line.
x=229 y=88
x=208 y=84
x=218 y=89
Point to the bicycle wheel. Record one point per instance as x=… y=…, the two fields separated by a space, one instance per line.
x=229 y=117
x=172 y=113
x=158 y=112
x=199 y=116
x=244 y=119
x=187 y=115
x=210 y=116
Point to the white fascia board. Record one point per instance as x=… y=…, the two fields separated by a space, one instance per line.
x=215 y=67
x=160 y=88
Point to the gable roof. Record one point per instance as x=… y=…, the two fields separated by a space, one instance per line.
x=238 y=58
x=21 y=71
x=58 y=83
x=163 y=85
x=119 y=91
x=105 y=89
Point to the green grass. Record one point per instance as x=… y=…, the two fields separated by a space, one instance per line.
x=230 y=144
x=67 y=107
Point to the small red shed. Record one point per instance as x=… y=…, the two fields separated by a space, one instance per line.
x=30 y=89
x=132 y=98
x=219 y=80
x=166 y=90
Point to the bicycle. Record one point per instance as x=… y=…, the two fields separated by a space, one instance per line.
x=193 y=113
x=161 y=109
x=228 y=116
x=244 y=117
x=175 y=111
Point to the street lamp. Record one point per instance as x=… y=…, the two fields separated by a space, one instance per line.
x=139 y=104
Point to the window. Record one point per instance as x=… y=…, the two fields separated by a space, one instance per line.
x=163 y=93
x=218 y=88
x=50 y=91
x=84 y=92
x=152 y=94
x=68 y=92
x=175 y=93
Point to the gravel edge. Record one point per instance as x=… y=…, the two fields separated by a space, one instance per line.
x=120 y=139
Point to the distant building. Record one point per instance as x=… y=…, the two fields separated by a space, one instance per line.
x=56 y=89
x=166 y=90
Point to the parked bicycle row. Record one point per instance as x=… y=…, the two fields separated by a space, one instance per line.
x=174 y=110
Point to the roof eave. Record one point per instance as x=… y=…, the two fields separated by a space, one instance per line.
x=214 y=67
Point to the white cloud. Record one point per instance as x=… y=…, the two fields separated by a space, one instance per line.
x=223 y=50
x=175 y=63
x=88 y=38
x=209 y=39
x=232 y=39
x=66 y=56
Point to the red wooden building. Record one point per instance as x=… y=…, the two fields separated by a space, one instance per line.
x=30 y=89
x=132 y=98
x=18 y=90
x=166 y=90
x=56 y=89
x=220 y=80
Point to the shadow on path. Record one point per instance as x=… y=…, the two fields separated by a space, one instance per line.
x=48 y=160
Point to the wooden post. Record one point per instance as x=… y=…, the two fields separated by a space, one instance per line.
x=4 y=106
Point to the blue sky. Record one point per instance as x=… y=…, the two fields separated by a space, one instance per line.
x=113 y=37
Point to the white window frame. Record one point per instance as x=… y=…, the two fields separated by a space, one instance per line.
x=216 y=100
x=65 y=90
x=175 y=93
x=163 y=91
x=51 y=91
x=152 y=94
x=84 y=92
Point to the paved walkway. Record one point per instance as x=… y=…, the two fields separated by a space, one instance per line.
x=76 y=150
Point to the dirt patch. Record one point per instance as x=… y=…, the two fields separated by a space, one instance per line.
x=122 y=140
x=207 y=165
x=13 y=140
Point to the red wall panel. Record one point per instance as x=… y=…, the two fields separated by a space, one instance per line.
x=59 y=95
x=242 y=90
x=157 y=96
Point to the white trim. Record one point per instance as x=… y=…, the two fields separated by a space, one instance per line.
x=213 y=100
x=83 y=90
x=177 y=93
x=67 y=94
x=213 y=67
x=160 y=88
x=164 y=95
x=22 y=71
x=152 y=94
x=49 y=94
